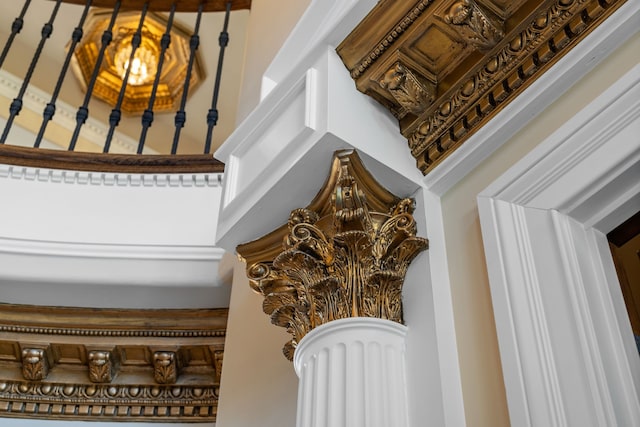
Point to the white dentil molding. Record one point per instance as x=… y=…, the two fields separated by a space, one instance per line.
x=568 y=353
x=119 y=179
x=581 y=59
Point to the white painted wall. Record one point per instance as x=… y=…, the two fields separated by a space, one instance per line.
x=259 y=385
x=269 y=24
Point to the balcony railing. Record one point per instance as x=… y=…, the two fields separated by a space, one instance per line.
x=124 y=62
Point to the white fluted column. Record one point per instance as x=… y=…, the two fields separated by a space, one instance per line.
x=352 y=373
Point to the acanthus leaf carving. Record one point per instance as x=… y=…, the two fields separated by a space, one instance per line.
x=165 y=369
x=101 y=366
x=475 y=25
x=411 y=93
x=339 y=257
x=35 y=365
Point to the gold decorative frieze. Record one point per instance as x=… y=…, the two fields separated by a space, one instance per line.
x=478 y=55
x=104 y=364
x=35 y=364
x=133 y=402
x=344 y=255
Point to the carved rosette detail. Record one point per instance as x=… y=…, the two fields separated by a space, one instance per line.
x=349 y=262
x=35 y=366
x=474 y=25
x=412 y=94
x=165 y=369
x=101 y=366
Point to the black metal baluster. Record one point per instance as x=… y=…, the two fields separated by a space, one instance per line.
x=147 y=116
x=181 y=116
x=212 y=115
x=50 y=109
x=15 y=29
x=83 y=111
x=114 y=117
x=16 y=104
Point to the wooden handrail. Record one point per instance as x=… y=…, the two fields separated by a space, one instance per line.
x=165 y=5
x=119 y=163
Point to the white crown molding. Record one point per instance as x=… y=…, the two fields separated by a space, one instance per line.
x=112 y=275
x=35 y=100
x=111 y=251
x=567 y=349
x=109 y=178
x=581 y=59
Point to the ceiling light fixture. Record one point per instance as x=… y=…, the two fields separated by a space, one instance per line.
x=144 y=64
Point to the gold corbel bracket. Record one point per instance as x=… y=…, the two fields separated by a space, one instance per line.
x=474 y=24
x=166 y=365
x=344 y=255
x=36 y=362
x=103 y=365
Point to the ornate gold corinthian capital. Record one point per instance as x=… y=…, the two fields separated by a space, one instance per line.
x=344 y=255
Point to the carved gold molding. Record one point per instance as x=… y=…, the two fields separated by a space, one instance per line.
x=103 y=364
x=473 y=56
x=344 y=255
x=145 y=403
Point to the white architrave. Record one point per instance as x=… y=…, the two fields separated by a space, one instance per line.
x=567 y=349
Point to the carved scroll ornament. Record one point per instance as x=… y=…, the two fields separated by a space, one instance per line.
x=340 y=257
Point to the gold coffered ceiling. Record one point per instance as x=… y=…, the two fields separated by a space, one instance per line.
x=444 y=68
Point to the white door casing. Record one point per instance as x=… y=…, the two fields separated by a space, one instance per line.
x=566 y=344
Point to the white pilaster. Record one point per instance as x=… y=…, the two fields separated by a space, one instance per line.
x=352 y=373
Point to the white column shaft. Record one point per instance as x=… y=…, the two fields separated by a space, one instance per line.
x=352 y=373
